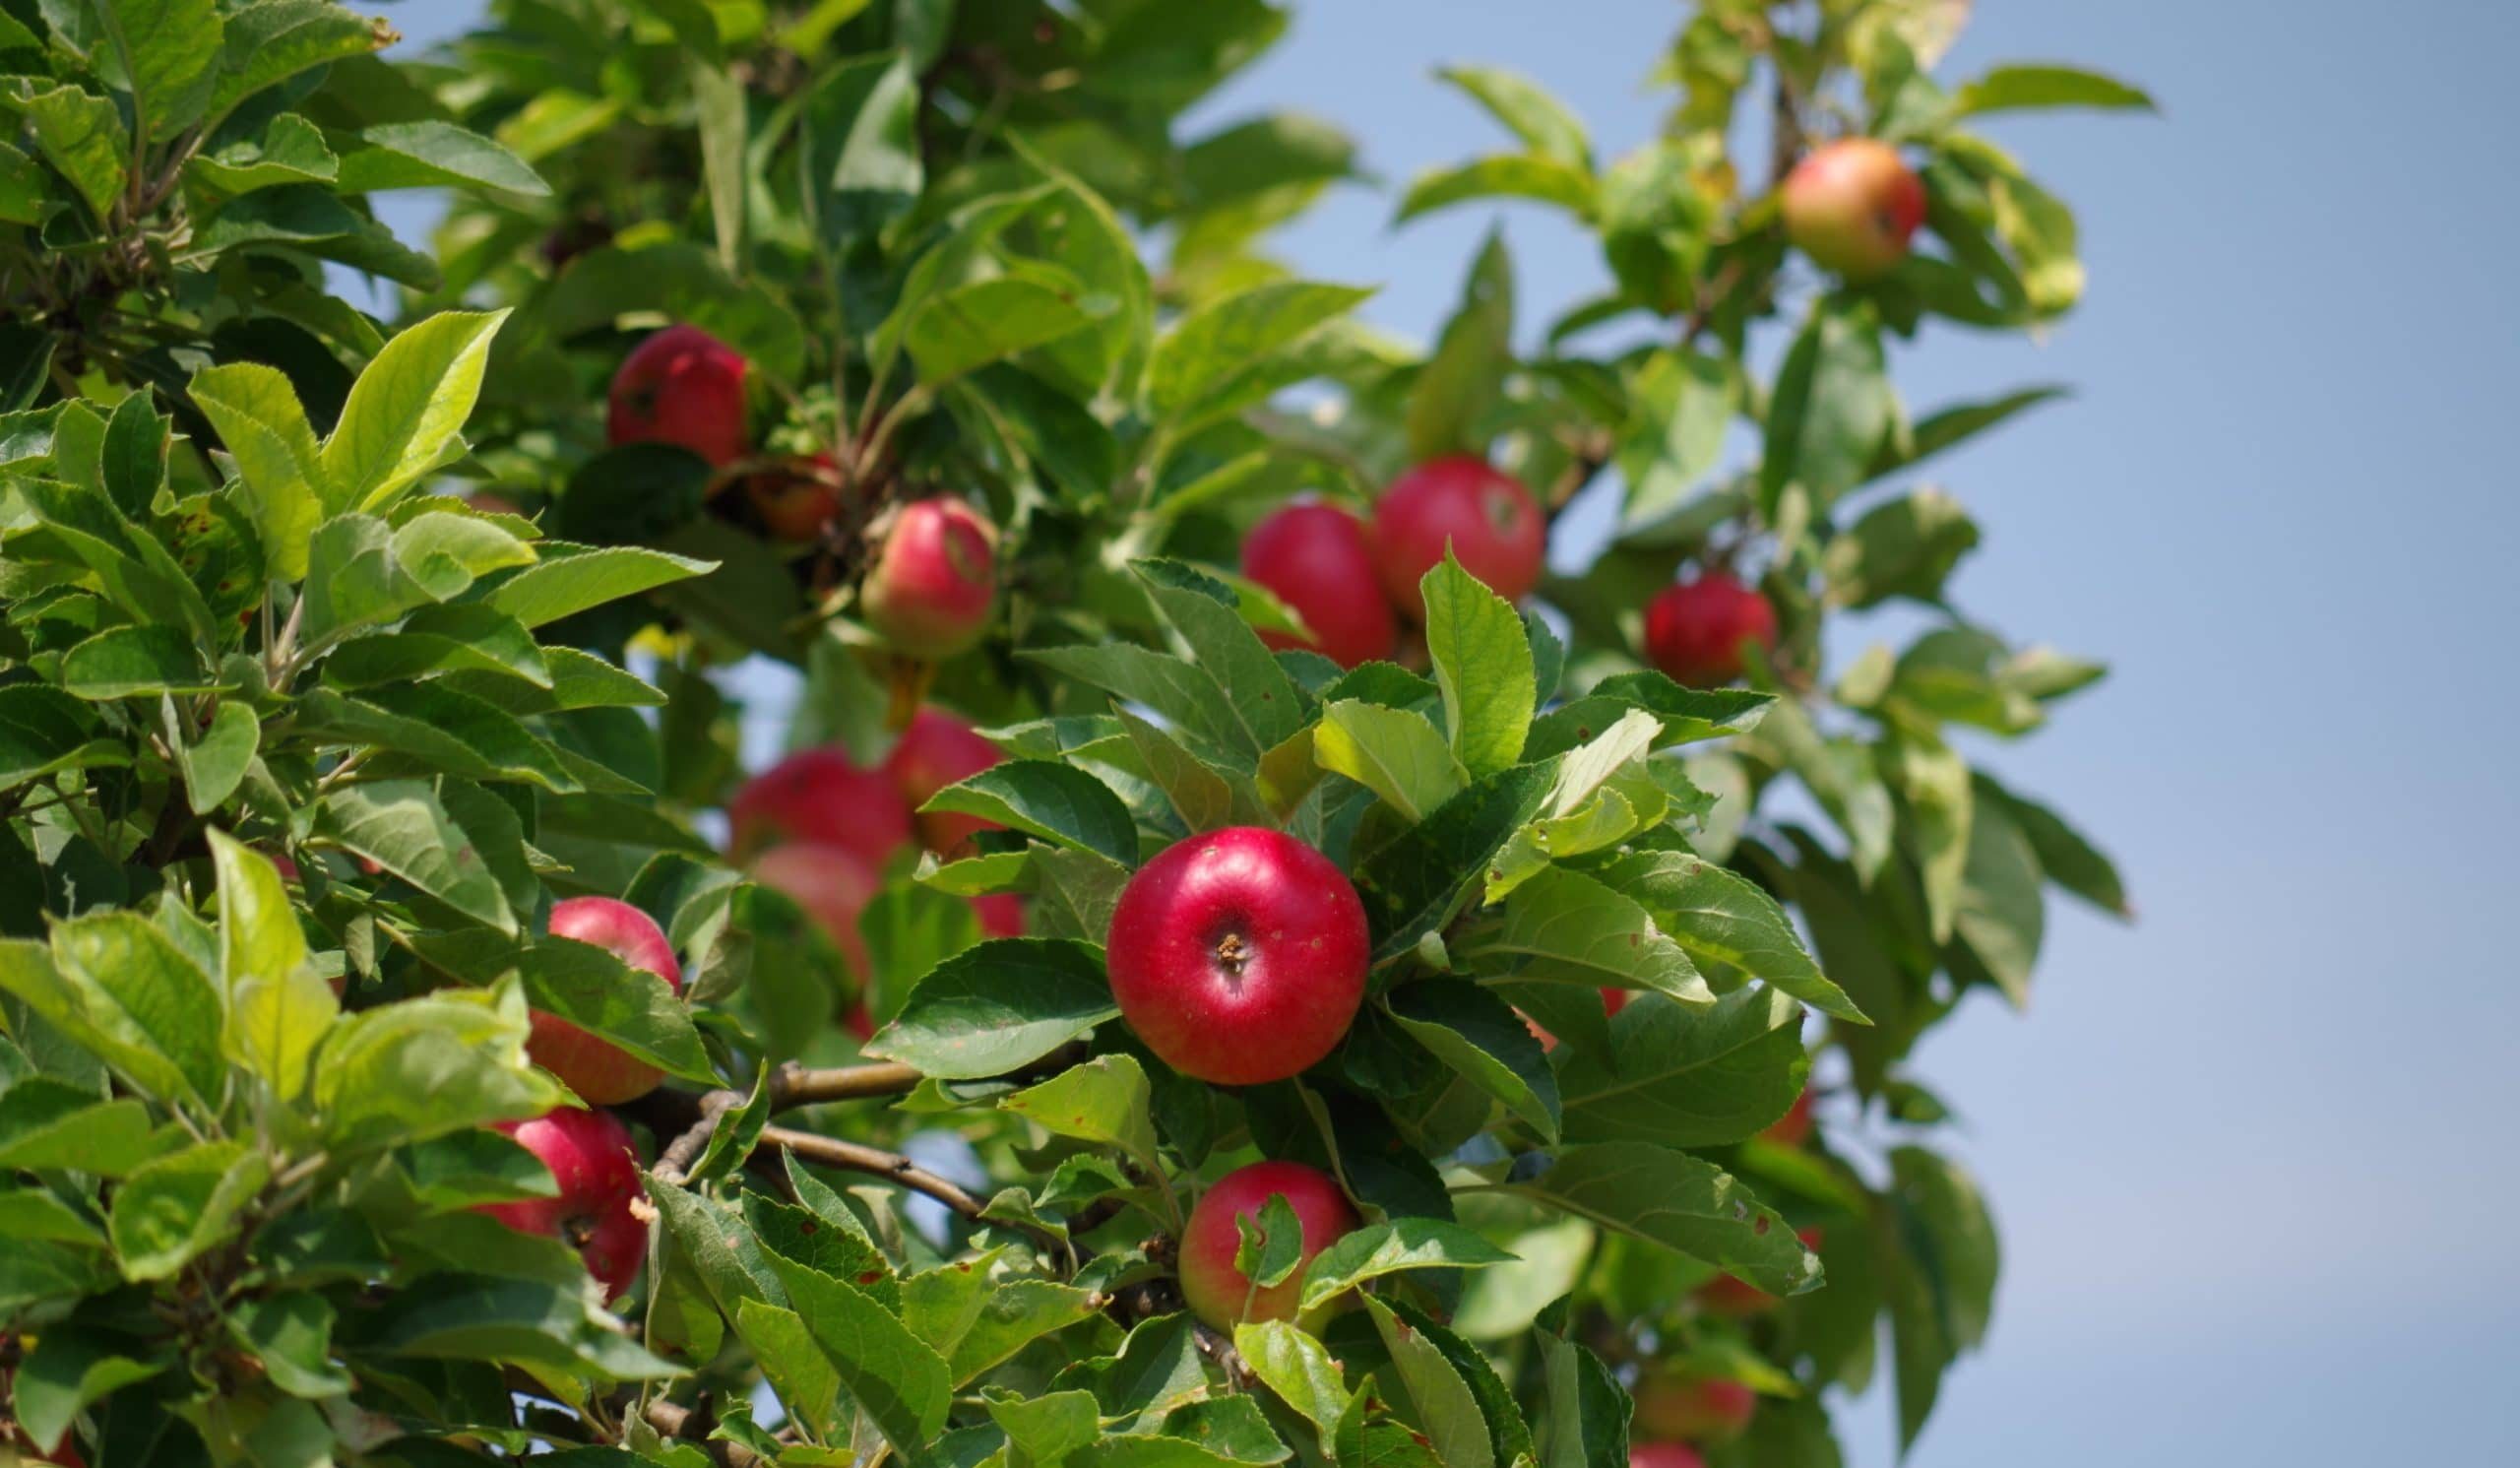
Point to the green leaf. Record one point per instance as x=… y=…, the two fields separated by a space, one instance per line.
x=1723 y=917
x=429 y=154
x=1526 y=108
x=172 y=1209
x=1205 y=798
x=1207 y=614
x=1999 y=911
x=784 y=1346
x=67 y=1370
x=292 y=1336
x=45 y=1125
x=1680 y=406
x=1901 y=547
x=277 y=1009
x=1685 y=1077
x=564 y=584
x=902 y=1384
x=118 y=985
x=1294 y=1365
x=2015 y=87
x=1935 y=780
x=2065 y=856
x=1544 y=181
x=593 y=989
x=1566 y=928
x=1270 y=1245
x=400 y=825
x=1482 y=665
x=1395 y=753
x=277 y=40
x=1832 y=408
x=406 y=407
x=549 y=1328
x=215 y=764
x=1415 y=884
x=165 y=53
x=291 y=150
x=971 y=326
x=42 y=731
x=717 y=100
x=1055 y=802
x=976 y=1322
x=1389 y=1248
x=1103 y=1101
x=1588 y=1408
x=862 y=124
x=1944 y=1222
x=1464 y=378
x=998 y=1008
x=1442 y=1400
x=1948 y=427
x=131 y=661
x=1681 y=1202
x=449 y=730
x=1204 y=353
x=423 y=1067
x=1201 y=716
x=82 y=135
x=1480 y=1037
x=134 y=454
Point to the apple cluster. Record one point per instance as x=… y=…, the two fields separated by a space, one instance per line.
x=1354 y=584
x=930 y=565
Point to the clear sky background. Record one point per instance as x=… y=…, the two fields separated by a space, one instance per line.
x=2252 y=1157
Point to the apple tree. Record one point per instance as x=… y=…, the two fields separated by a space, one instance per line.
x=1246 y=952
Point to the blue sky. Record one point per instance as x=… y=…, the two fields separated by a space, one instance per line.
x=2252 y=1157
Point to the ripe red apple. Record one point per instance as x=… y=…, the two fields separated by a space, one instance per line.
x=1702 y=1409
x=936 y=752
x=1238 y=956
x=822 y=798
x=928 y=591
x=682 y=386
x=589 y=1155
x=798 y=496
x=1318 y=560
x=1217 y=1291
x=1694 y=630
x=833 y=885
x=1663 y=1456
x=1488 y=518
x=601 y=1072
x=1731 y=1294
x=1852 y=206
x=1792 y=1128
x=1001 y=915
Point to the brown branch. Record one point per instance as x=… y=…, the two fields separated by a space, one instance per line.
x=795 y=1085
x=854 y=1157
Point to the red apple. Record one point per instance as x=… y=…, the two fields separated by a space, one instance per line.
x=1221 y=1294
x=1663 y=1456
x=1001 y=915
x=601 y=1072
x=682 y=386
x=1731 y=1294
x=1700 y=1408
x=1852 y=206
x=936 y=752
x=589 y=1155
x=1318 y=560
x=1238 y=956
x=798 y=496
x=1694 y=630
x=833 y=885
x=929 y=591
x=1793 y=1128
x=822 y=798
x=1488 y=518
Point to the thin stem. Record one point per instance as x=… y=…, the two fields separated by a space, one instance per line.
x=853 y=1157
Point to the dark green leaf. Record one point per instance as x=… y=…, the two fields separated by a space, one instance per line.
x=998 y=1008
